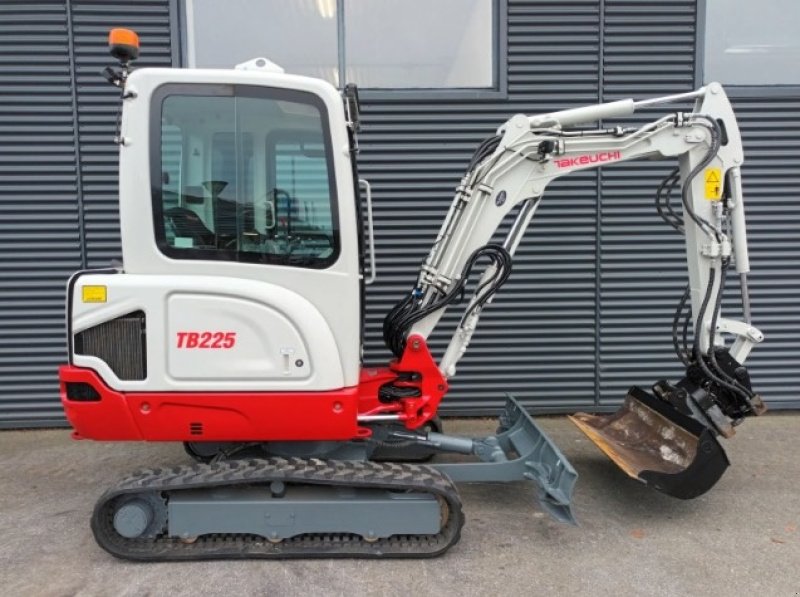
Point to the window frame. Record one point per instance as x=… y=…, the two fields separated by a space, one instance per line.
x=159 y=95
x=737 y=91
x=498 y=91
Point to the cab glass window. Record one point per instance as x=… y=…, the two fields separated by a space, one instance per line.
x=244 y=174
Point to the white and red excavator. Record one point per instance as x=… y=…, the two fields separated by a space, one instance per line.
x=234 y=322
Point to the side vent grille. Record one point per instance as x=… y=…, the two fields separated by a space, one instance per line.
x=121 y=343
x=195 y=428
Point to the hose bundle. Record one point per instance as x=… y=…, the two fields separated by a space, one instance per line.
x=414 y=307
x=694 y=355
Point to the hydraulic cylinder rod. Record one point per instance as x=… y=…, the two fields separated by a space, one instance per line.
x=615 y=109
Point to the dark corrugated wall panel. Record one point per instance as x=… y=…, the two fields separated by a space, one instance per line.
x=39 y=239
x=40 y=182
x=771 y=180
x=537 y=341
x=98 y=103
x=540 y=339
x=648 y=50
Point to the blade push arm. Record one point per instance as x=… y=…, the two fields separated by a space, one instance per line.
x=512 y=171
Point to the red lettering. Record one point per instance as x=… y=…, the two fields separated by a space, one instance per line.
x=230 y=340
x=191 y=339
x=217 y=340
x=209 y=340
x=582 y=160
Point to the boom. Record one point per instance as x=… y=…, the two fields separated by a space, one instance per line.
x=530 y=152
x=512 y=171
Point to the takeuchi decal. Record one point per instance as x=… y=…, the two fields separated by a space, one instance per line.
x=582 y=160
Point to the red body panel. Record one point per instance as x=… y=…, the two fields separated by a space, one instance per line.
x=252 y=416
x=211 y=416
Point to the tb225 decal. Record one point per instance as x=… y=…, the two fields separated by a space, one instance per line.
x=213 y=340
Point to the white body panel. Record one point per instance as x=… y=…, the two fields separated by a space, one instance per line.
x=282 y=342
x=313 y=312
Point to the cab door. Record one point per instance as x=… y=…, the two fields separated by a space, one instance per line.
x=248 y=179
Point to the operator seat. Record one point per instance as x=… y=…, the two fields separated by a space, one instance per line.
x=188 y=224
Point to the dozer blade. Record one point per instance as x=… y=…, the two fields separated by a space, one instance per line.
x=657 y=444
x=519 y=451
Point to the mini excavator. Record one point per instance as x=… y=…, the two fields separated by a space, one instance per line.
x=234 y=322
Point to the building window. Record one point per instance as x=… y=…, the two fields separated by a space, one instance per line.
x=419 y=43
x=246 y=175
x=299 y=35
x=752 y=43
x=380 y=44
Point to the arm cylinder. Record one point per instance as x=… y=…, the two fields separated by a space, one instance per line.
x=737 y=222
x=616 y=109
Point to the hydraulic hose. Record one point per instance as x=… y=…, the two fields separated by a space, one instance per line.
x=716 y=136
x=682 y=354
x=730 y=383
x=712 y=274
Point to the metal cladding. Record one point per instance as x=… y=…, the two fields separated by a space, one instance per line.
x=587 y=310
x=58 y=181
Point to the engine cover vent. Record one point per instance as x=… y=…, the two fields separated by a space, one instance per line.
x=121 y=343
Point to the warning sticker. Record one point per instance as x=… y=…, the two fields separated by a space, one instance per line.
x=93 y=294
x=713 y=184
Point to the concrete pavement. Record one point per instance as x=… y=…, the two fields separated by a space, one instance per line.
x=742 y=538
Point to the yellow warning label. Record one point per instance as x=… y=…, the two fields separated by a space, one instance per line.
x=713 y=184
x=93 y=294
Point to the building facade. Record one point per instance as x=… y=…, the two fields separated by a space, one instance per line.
x=588 y=309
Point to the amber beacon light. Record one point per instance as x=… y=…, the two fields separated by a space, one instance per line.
x=123 y=44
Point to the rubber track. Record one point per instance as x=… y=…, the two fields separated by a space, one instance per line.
x=337 y=473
